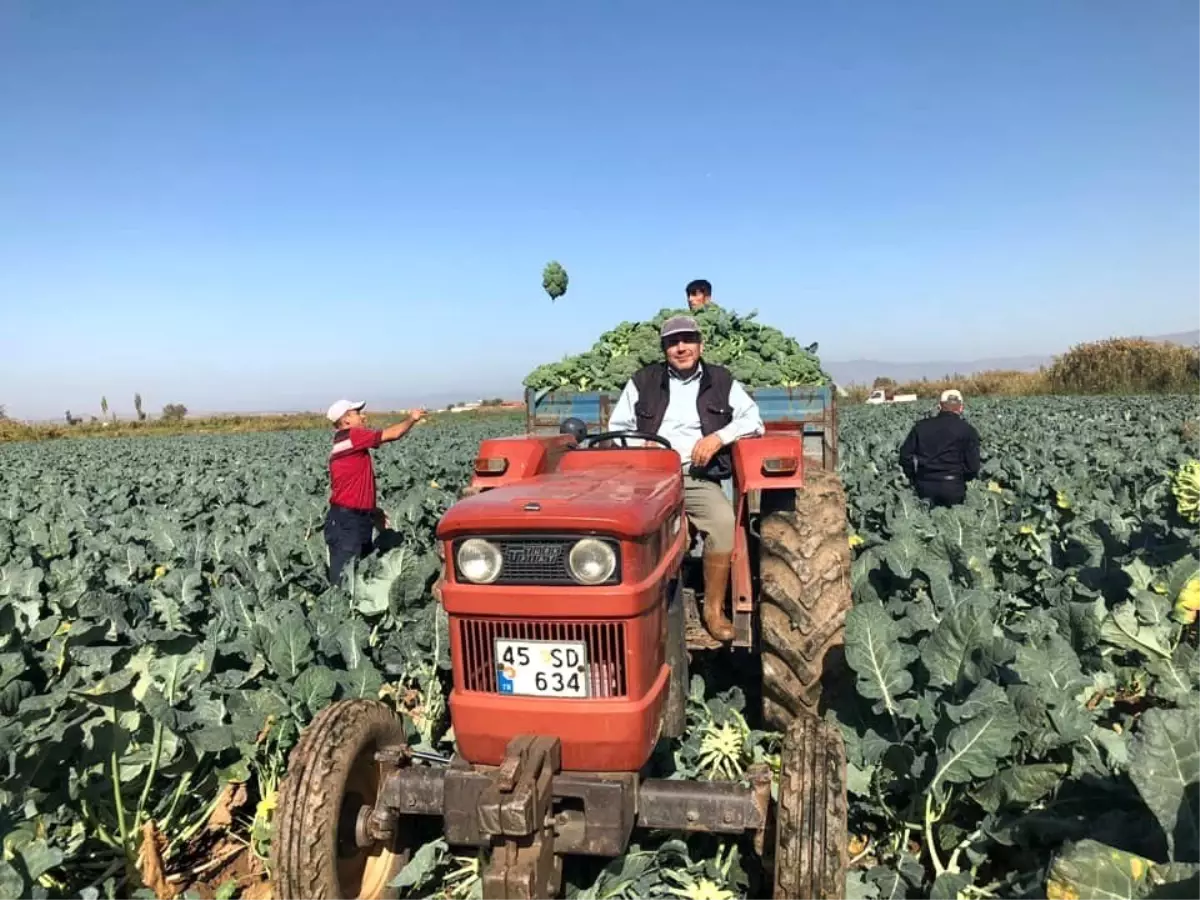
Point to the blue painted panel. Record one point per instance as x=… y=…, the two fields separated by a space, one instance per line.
x=791 y=404
x=775 y=405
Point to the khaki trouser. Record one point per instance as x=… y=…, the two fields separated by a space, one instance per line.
x=711 y=512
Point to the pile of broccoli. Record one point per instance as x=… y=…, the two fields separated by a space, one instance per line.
x=757 y=355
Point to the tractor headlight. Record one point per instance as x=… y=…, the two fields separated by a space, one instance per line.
x=479 y=561
x=591 y=561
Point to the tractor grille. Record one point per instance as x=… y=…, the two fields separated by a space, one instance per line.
x=540 y=560
x=605 y=650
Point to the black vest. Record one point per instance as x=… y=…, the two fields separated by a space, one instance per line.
x=712 y=405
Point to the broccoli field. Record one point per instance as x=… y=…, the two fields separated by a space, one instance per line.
x=1020 y=710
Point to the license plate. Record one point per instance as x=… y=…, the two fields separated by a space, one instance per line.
x=541 y=668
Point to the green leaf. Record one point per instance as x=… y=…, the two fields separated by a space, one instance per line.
x=290 y=648
x=1123 y=629
x=12 y=884
x=1019 y=786
x=959 y=650
x=37 y=857
x=1164 y=764
x=859 y=888
x=975 y=748
x=363 y=680
x=1088 y=868
x=314 y=687
x=950 y=886
x=423 y=865
x=877 y=655
x=985 y=697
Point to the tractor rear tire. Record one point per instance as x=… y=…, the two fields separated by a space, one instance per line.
x=804 y=595
x=811 y=833
x=675 y=717
x=331 y=775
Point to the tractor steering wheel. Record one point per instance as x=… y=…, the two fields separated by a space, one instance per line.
x=623 y=436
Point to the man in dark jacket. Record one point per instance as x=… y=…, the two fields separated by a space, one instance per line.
x=701 y=410
x=941 y=454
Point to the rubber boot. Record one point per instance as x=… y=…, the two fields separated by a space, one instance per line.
x=716 y=583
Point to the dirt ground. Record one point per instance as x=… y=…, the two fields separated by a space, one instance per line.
x=235 y=863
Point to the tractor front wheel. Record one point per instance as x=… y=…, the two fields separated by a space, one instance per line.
x=804 y=595
x=332 y=777
x=811 y=834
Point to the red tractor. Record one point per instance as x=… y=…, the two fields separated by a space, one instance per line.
x=570 y=587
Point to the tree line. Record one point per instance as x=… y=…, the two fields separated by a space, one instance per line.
x=1113 y=366
x=172 y=412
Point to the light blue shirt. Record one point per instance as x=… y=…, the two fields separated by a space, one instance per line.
x=681 y=422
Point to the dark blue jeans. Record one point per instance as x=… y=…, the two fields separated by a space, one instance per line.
x=349 y=534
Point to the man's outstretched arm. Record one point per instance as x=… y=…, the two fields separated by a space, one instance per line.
x=400 y=429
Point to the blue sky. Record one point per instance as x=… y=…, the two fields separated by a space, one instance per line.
x=269 y=205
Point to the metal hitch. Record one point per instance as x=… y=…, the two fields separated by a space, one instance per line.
x=531 y=814
x=514 y=813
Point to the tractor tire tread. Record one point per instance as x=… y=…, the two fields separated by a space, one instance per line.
x=303 y=856
x=811 y=834
x=804 y=567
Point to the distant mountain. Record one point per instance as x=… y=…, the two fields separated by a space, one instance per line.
x=1187 y=338
x=865 y=371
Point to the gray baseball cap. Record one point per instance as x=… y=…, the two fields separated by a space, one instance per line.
x=678 y=325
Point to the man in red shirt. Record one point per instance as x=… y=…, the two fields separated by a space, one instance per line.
x=353 y=512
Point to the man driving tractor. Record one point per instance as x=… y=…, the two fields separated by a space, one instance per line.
x=700 y=409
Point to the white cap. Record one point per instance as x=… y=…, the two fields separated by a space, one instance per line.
x=342 y=407
x=951 y=396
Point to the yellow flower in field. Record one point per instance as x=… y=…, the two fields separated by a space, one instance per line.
x=266 y=806
x=855 y=541
x=1061 y=498
x=1185 y=485
x=995 y=488
x=1187 y=604
x=1060 y=890
x=159 y=572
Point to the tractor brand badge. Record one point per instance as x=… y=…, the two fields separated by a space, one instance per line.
x=532 y=554
x=505 y=674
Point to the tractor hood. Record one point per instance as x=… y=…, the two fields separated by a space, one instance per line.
x=620 y=501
